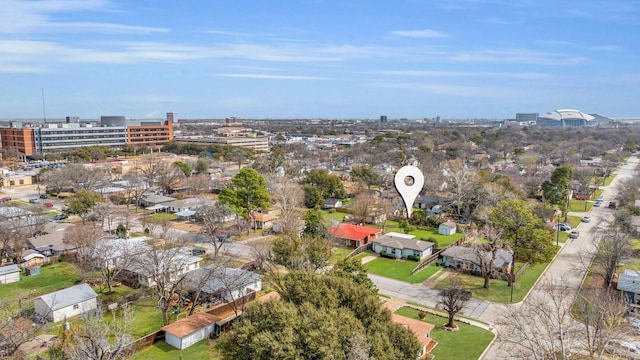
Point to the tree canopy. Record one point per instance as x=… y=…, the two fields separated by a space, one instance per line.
x=329 y=186
x=318 y=317
x=247 y=193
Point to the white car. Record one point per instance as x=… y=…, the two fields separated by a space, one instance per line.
x=586 y=218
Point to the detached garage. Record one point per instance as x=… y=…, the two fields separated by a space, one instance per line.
x=9 y=274
x=188 y=331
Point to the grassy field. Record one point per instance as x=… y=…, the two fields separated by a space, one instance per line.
x=467 y=343
x=148 y=318
x=400 y=269
x=202 y=350
x=424 y=233
x=498 y=290
x=163 y=216
x=580 y=205
x=339 y=253
x=51 y=278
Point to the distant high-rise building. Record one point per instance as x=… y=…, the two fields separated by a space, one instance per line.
x=383 y=118
x=173 y=117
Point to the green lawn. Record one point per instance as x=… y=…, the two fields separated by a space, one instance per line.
x=467 y=343
x=148 y=317
x=339 y=253
x=330 y=215
x=202 y=350
x=608 y=180
x=498 y=290
x=400 y=269
x=425 y=233
x=51 y=278
x=580 y=205
x=163 y=216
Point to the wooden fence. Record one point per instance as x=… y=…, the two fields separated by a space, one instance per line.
x=360 y=250
x=434 y=257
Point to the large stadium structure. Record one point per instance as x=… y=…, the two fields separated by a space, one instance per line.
x=566 y=117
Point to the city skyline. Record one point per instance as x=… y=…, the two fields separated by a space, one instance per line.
x=306 y=59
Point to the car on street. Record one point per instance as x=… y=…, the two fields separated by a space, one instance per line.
x=44 y=196
x=564 y=227
x=586 y=219
x=60 y=216
x=48 y=204
x=34 y=200
x=597 y=203
x=612 y=205
x=600 y=198
x=574 y=235
x=5 y=199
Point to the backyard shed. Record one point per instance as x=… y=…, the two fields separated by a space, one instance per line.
x=188 y=331
x=9 y=274
x=447 y=228
x=66 y=303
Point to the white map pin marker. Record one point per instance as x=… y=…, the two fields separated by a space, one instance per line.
x=409 y=181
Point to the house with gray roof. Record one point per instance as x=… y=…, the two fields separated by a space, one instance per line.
x=465 y=258
x=402 y=245
x=629 y=284
x=66 y=303
x=155 y=201
x=51 y=241
x=225 y=283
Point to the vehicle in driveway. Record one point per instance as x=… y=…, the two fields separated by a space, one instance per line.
x=586 y=219
x=574 y=235
x=60 y=216
x=564 y=227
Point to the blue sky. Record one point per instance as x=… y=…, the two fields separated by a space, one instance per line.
x=316 y=58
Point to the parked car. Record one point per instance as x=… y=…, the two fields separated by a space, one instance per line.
x=5 y=199
x=60 y=216
x=612 y=205
x=34 y=200
x=48 y=204
x=44 y=196
x=597 y=203
x=198 y=251
x=224 y=238
x=574 y=235
x=600 y=198
x=564 y=227
x=586 y=218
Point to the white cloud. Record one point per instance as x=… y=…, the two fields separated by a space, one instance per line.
x=432 y=73
x=272 y=76
x=425 y=33
x=518 y=56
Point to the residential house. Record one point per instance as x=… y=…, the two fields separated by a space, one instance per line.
x=215 y=282
x=190 y=330
x=177 y=206
x=464 y=258
x=402 y=245
x=9 y=274
x=447 y=228
x=422 y=331
x=629 y=284
x=51 y=242
x=354 y=235
x=66 y=303
x=136 y=275
x=150 y=202
x=331 y=203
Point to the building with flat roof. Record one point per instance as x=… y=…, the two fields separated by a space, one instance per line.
x=18 y=138
x=257 y=144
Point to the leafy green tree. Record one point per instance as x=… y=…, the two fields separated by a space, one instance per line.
x=318 y=317
x=246 y=194
x=82 y=201
x=202 y=166
x=556 y=189
x=184 y=167
x=525 y=233
x=366 y=174
x=330 y=186
x=312 y=196
x=355 y=270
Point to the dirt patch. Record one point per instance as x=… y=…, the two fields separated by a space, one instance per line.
x=38 y=345
x=187 y=226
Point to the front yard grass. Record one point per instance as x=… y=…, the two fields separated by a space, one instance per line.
x=400 y=269
x=579 y=205
x=52 y=277
x=467 y=343
x=163 y=216
x=498 y=290
x=202 y=350
x=339 y=253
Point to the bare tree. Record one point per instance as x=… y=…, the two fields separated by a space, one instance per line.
x=96 y=339
x=290 y=197
x=601 y=313
x=213 y=218
x=611 y=251
x=452 y=299
x=18 y=322
x=485 y=247
x=83 y=238
x=628 y=191
x=362 y=206
x=460 y=184
x=542 y=328
x=82 y=177
x=135 y=187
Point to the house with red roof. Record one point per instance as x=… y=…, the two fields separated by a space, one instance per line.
x=354 y=235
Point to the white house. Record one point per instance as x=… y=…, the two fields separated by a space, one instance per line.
x=66 y=303
x=226 y=283
x=402 y=245
x=447 y=228
x=9 y=274
x=188 y=331
x=136 y=275
x=464 y=258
